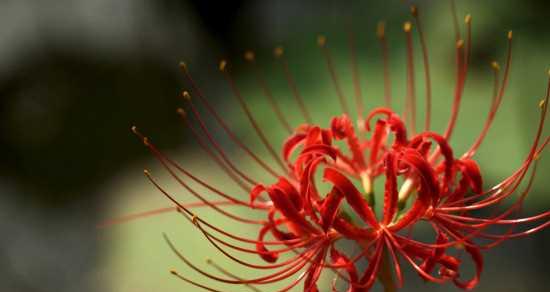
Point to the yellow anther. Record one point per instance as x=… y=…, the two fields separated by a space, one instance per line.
x=223 y=64
x=321 y=40
x=181 y=112
x=381 y=30
x=407 y=26
x=145 y=141
x=278 y=51
x=173 y=272
x=146 y=172
x=542 y=103
x=186 y=95
x=495 y=66
x=183 y=65
x=460 y=44
x=249 y=56
x=510 y=34
x=468 y=18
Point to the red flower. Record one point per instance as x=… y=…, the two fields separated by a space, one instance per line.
x=307 y=230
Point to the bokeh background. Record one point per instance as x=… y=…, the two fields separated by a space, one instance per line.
x=76 y=74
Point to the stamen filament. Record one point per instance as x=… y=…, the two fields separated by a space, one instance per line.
x=279 y=54
x=322 y=42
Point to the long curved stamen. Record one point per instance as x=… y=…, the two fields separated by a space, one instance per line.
x=459 y=88
x=229 y=274
x=165 y=159
x=356 y=76
x=222 y=123
x=187 y=212
x=454 y=15
x=277 y=276
x=409 y=114
x=491 y=115
x=253 y=122
x=216 y=145
x=381 y=35
x=251 y=58
x=195 y=193
x=425 y=59
x=279 y=54
x=202 y=144
x=322 y=42
x=498 y=96
x=468 y=52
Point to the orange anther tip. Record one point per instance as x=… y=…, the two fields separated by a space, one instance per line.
x=195 y=219
x=414 y=10
x=223 y=65
x=460 y=44
x=173 y=272
x=183 y=65
x=180 y=111
x=542 y=103
x=381 y=29
x=468 y=18
x=407 y=26
x=321 y=40
x=186 y=95
x=249 y=56
x=278 y=51
x=495 y=65
x=510 y=34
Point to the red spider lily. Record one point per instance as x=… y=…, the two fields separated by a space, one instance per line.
x=307 y=231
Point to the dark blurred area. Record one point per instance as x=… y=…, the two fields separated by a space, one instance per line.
x=75 y=75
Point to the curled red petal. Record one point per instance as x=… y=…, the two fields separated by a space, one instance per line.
x=265 y=254
x=378 y=137
x=352 y=195
x=445 y=149
x=320 y=149
x=437 y=253
x=423 y=169
x=390 y=192
x=476 y=256
x=471 y=170
x=291 y=144
x=284 y=205
x=290 y=192
x=329 y=208
x=256 y=192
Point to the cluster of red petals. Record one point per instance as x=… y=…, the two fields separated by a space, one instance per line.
x=423 y=182
x=446 y=189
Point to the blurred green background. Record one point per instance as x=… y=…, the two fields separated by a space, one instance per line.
x=76 y=74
